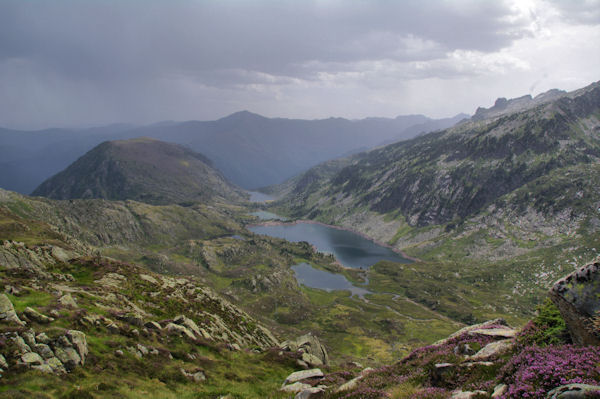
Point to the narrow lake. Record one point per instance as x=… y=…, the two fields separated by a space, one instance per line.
x=324 y=280
x=256 y=196
x=264 y=215
x=350 y=249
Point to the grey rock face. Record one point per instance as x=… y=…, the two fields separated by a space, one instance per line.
x=576 y=296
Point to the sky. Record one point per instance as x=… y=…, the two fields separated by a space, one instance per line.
x=68 y=63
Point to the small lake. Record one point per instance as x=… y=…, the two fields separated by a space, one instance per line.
x=324 y=280
x=350 y=249
x=264 y=215
x=256 y=196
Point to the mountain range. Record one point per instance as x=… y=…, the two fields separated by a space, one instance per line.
x=250 y=150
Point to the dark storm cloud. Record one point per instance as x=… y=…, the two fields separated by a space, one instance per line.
x=138 y=60
x=104 y=38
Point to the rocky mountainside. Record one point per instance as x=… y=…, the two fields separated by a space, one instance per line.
x=251 y=150
x=144 y=170
x=503 y=162
x=87 y=325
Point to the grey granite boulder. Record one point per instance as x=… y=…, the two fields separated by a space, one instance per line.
x=576 y=296
x=573 y=391
x=310 y=345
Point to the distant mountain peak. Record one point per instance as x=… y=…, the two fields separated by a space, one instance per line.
x=502 y=105
x=243 y=115
x=142 y=169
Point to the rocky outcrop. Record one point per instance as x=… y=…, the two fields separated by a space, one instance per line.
x=33 y=261
x=304 y=384
x=576 y=296
x=313 y=353
x=30 y=351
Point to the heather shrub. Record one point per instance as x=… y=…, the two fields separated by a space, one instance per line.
x=364 y=392
x=431 y=393
x=547 y=328
x=537 y=370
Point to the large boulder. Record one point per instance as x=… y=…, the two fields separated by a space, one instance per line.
x=310 y=346
x=576 y=296
x=7 y=311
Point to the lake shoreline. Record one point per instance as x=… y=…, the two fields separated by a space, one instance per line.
x=361 y=234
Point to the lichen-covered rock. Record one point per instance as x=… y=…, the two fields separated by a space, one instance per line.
x=7 y=311
x=308 y=344
x=573 y=391
x=173 y=328
x=68 y=357
x=68 y=301
x=44 y=351
x=501 y=332
x=493 y=349
x=78 y=340
x=311 y=360
x=3 y=362
x=295 y=387
x=133 y=318
x=312 y=392
x=467 y=394
x=56 y=365
x=189 y=324
x=302 y=375
x=29 y=338
x=148 y=278
x=20 y=344
x=152 y=325
x=498 y=323
x=32 y=358
x=36 y=316
x=499 y=390
x=576 y=296
x=196 y=376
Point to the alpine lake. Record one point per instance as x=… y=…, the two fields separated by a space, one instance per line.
x=350 y=249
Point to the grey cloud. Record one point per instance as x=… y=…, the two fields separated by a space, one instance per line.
x=111 y=39
x=578 y=11
x=128 y=60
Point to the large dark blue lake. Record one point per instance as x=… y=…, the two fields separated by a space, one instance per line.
x=350 y=249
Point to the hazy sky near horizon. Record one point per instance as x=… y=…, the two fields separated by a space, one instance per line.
x=76 y=63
